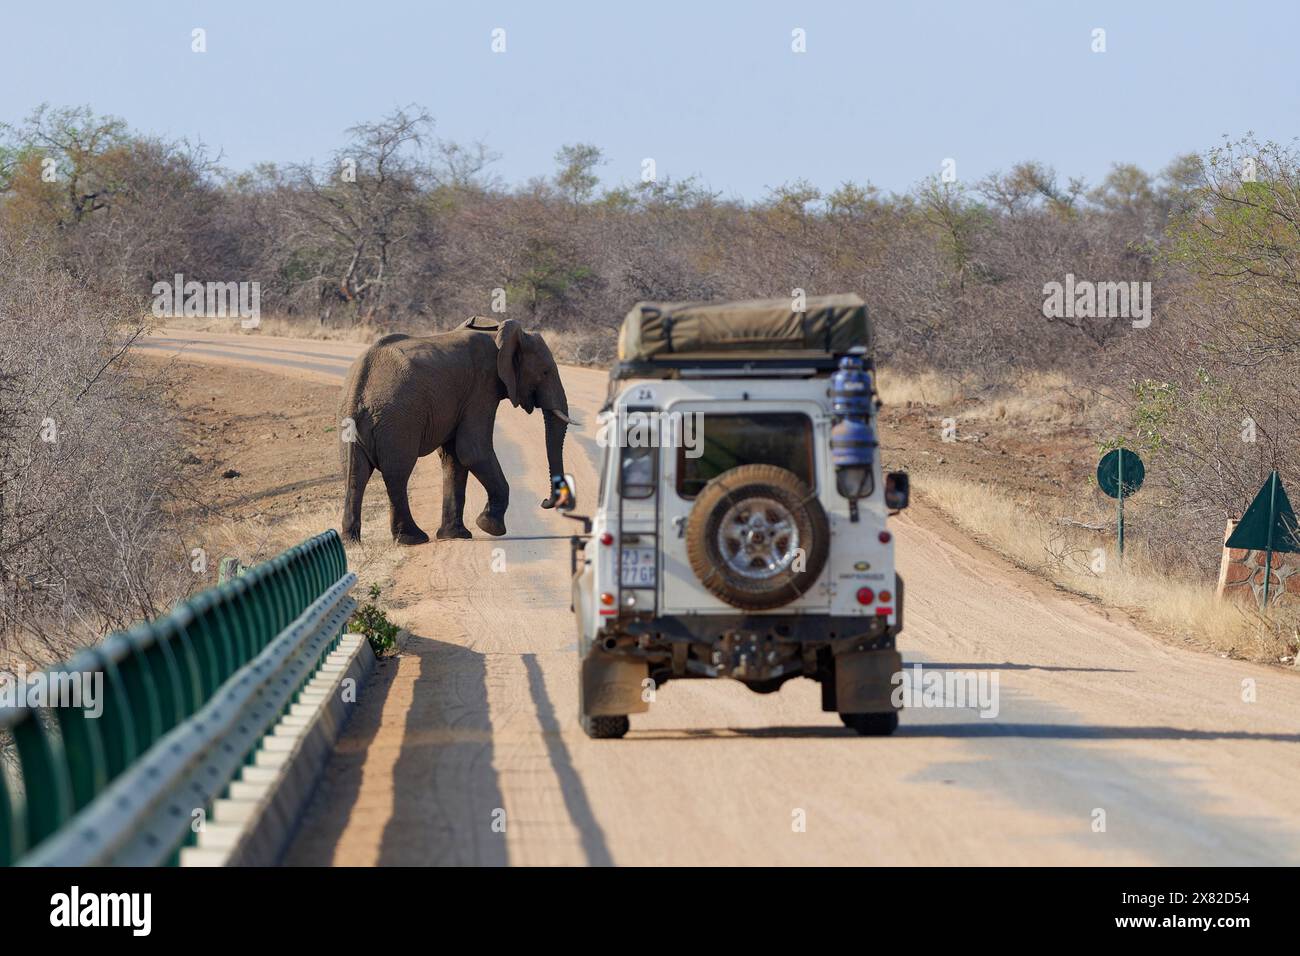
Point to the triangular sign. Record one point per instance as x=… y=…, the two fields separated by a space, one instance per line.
x=1252 y=532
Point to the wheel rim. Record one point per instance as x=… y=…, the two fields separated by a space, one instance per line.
x=758 y=538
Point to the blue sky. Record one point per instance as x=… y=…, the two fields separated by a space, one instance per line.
x=884 y=93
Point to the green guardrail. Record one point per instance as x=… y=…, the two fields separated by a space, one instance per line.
x=156 y=676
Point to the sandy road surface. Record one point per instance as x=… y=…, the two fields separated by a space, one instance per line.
x=466 y=749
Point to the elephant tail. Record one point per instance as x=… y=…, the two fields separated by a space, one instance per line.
x=357 y=468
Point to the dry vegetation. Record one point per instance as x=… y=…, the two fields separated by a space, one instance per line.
x=402 y=230
x=89 y=464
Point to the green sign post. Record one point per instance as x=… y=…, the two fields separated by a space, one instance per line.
x=1268 y=524
x=1120 y=473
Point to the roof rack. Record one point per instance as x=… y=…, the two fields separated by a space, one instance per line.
x=749 y=367
x=728 y=339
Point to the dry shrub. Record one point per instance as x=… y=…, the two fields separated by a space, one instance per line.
x=88 y=460
x=578 y=346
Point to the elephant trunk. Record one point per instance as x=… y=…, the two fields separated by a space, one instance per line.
x=555 y=429
x=555 y=415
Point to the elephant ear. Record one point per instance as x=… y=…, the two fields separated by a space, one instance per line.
x=508 y=341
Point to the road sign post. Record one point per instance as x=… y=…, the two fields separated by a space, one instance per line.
x=1269 y=524
x=1119 y=494
x=1120 y=473
x=1268 y=548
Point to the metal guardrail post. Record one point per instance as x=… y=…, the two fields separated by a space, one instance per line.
x=13 y=837
x=45 y=775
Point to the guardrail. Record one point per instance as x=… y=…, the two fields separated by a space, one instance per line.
x=185 y=701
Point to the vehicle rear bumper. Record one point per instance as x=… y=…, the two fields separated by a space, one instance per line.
x=794 y=628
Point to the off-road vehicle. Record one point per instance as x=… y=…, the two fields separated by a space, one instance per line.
x=740 y=527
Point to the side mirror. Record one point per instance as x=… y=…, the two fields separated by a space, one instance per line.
x=897 y=490
x=564 y=494
x=564 y=498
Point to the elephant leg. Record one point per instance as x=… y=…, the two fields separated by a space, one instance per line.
x=405 y=530
x=489 y=474
x=454 y=476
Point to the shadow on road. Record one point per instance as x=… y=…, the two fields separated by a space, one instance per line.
x=575 y=794
x=446 y=796
x=991 y=728
x=331 y=807
x=1007 y=666
x=982 y=728
x=293 y=486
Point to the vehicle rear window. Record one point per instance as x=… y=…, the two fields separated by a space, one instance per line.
x=783 y=439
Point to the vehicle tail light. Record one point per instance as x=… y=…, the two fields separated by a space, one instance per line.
x=885 y=597
x=606 y=539
x=886 y=537
x=606 y=598
x=866 y=595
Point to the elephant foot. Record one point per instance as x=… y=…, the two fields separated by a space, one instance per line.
x=493 y=526
x=412 y=537
x=453 y=532
x=351 y=535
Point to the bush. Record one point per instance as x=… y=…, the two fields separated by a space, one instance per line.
x=370 y=620
x=89 y=462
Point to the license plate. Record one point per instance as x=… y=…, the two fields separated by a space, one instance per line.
x=638 y=567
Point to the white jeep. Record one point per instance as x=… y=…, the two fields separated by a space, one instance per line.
x=740 y=528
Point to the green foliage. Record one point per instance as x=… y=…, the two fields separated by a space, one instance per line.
x=956 y=222
x=852 y=200
x=1155 y=409
x=576 y=176
x=370 y=620
x=550 y=276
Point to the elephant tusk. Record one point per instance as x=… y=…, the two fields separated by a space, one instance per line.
x=564 y=418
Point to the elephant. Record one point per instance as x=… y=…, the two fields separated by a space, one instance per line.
x=408 y=396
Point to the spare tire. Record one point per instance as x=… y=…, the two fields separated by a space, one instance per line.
x=757 y=537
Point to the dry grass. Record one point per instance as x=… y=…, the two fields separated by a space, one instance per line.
x=1065 y=555
x=1035 y=398
x=1032 y=398
x=921 y=388
x=260 y=537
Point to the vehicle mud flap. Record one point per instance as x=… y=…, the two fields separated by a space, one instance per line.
x=613 y=686
x=898 y=603
x=865 y=681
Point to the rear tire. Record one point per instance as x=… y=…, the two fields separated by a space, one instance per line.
x=605 y=728
x=872 y=725
x=744 y=534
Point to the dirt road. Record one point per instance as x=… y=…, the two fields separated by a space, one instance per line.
x=1109 y=746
